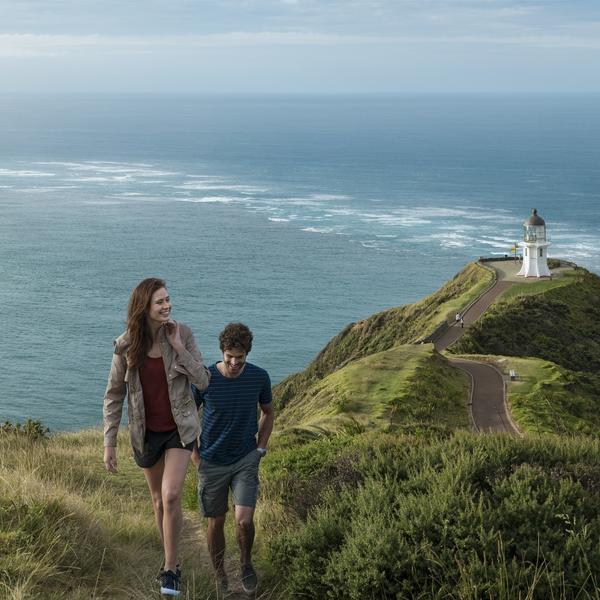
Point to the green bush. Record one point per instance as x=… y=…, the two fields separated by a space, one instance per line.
x=468 y=517
x=34 y=430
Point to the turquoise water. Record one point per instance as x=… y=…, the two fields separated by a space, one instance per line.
x=296 y=215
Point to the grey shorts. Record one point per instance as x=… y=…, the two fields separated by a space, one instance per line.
x=215 y=481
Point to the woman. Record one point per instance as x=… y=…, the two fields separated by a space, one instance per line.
x=154 y=363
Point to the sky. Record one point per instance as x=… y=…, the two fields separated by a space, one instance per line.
x=300 y=46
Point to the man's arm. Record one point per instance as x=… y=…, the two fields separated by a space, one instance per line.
x=265 y=425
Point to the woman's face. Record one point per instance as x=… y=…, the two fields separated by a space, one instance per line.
x=159 y=311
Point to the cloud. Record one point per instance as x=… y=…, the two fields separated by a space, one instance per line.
x=32 y=45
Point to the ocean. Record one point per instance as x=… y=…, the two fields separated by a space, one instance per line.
x=293 y=214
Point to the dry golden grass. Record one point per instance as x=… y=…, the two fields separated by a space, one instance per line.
x=69 y=529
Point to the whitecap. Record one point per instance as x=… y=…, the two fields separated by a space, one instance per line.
x=319 y=229
x=344 y=212
x=495 y=244
x=210 y=200
x=114 y=168
x=279 y=220
x=220 y=186
x=329 y=197
x=452 y=244
x=371 y=244
x=489 y=217
x=100 y=179
x=503 y=240
x=24 y=173
x=389 y=219
x=89 y=179
x=45 y=189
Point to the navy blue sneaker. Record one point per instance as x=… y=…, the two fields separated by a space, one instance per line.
x=162 y=570
x=170 y=583
x=222 y=586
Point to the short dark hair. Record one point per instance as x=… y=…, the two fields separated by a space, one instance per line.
x=236 y=335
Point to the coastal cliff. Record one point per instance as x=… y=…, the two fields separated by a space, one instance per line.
x=374 y=486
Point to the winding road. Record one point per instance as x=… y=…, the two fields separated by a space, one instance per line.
x=488 y=408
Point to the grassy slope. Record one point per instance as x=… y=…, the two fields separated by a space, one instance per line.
x=547 y=398
x=68 y=529
x=562 y=325
x=407 y=384
x=401 y=325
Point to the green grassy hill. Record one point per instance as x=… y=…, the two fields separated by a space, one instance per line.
x=406 y=386
x=560 y=324
x=401 y=325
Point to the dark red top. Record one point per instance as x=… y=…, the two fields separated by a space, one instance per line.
x=156 y=396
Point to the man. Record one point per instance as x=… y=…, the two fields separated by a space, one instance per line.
x=230 y=450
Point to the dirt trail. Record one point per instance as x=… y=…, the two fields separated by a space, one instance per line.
x=196 y=560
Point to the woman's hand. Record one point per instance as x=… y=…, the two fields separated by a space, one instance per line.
x=174 y=336
x=110 y=459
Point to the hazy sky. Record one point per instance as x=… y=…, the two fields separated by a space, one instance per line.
x=300 y=45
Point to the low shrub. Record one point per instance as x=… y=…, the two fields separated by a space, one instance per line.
x=468 y=517
x=34 y=430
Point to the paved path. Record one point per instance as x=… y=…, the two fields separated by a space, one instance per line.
x=488 y=406
x=488 y=403
x=471 y=315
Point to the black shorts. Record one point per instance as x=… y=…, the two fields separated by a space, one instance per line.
x=155 y=445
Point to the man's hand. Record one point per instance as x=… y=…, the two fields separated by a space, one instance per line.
x=110 y=459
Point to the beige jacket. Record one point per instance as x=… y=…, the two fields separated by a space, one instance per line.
x=181 y=370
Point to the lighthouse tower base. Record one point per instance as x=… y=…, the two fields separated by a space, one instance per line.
x=535 y=255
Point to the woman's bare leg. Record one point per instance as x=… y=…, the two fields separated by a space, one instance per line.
x=175 y=468
x=154 y=477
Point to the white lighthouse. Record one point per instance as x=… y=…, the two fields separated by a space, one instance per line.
x=535 y=247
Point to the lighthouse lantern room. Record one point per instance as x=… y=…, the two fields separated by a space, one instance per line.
x=535 y=247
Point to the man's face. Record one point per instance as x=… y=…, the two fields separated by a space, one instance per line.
x=234 y=360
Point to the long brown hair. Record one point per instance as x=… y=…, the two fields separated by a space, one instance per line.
x=138 y=330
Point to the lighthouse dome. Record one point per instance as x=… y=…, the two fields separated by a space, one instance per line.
x=534 y=220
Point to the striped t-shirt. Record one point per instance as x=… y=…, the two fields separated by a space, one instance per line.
x=229 y=418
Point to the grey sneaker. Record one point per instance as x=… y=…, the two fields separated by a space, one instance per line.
x=249 y=579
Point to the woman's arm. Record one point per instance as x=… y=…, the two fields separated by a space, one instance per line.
x=113 y=408
x=189 y=360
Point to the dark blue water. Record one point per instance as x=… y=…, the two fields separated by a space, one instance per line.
x=296 y=215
